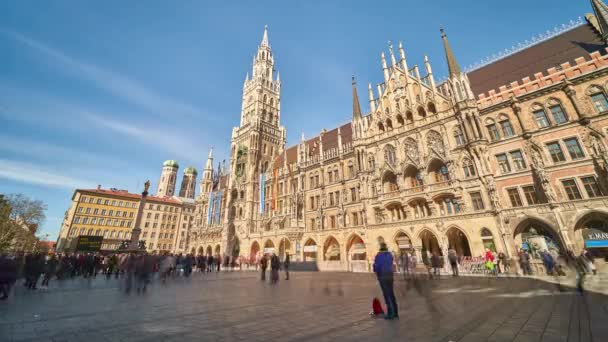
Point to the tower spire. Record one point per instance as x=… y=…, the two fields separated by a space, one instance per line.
x=356 y=106
x=372 y=101
x=453 y=66
x=601 y=13
x=209 y=164
x=265 y=37
x=392 y=52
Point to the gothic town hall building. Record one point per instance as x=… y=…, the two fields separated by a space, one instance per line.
x=507 y=156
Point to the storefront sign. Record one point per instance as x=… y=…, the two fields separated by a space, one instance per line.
x=309 y=249
x=89 y=243
x=595 y=238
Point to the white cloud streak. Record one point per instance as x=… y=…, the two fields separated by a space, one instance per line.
x=114 y=83
x=33 y=174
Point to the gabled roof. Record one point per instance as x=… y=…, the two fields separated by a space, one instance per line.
x=565 y=47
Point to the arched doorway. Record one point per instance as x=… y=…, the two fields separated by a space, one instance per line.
x=255 y=251
x=536 y=237
x=458 y=241
x=209 y=251
x=331 y=249
x=268 y=247
x=403 y=242
x=193 y=250
x=591 y=232
x=357 y=254
x=430 y=246
x=284 y=247
x=201 y=251
x=310 y=250
x=217 y=249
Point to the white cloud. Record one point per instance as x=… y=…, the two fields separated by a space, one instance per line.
x=119 y=85
x=33 y=174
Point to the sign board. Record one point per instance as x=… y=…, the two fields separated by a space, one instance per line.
x=268 y=250
x=595 y=238
x=89 y=243
x=310 y=248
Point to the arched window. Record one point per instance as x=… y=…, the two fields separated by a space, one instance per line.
x=380 y=127
x=599 y=98
x=400 y=120
x=557 y=112
x=264 y=114
x=468 y=168
x=371 y=162
x=431 y=108
x=505 y=126
x=389 y=124
x=421 y=112
x=541 y=118
x=389 y=155
x=409 y=117
x=458 y=136
x=271 y=102
x=265 y=99
x=488 y=239
x=492 y=130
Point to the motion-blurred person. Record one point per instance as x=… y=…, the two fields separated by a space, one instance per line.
x=383 y=267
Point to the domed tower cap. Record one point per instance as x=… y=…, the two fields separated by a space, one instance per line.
x=190 y=170
x=171 y=163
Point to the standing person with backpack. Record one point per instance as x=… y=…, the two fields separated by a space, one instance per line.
x=453 y=258
x=383 y=267
x=286 y=263
x=263 y=266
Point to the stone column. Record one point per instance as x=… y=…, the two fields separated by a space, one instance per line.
x=517 y=110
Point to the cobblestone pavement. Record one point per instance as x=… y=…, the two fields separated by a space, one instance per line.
x=234 y=306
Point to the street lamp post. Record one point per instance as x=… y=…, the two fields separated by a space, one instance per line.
x=134 y=245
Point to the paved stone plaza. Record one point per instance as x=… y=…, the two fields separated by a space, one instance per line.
x=233 y=306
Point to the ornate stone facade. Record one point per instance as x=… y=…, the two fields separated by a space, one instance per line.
x=430 y=167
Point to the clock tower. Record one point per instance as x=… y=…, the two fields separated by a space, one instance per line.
x=255 y=143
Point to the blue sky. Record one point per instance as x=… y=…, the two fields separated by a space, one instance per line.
x=103 y=92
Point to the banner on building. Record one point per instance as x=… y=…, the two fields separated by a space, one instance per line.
x=275 y=188
x=210 y=208
x=218 y=208
x=262 y=194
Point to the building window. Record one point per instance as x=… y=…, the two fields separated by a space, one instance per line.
x=459 y=137
x=571 y=189
x=514 y=197
x=103 y=211
x=83 y=199
x=99 y=201
x=95 y=211
x=91 y=200
x=101 y=222
x=556 y=152
x=493 y=131
x=85 y=220
x=114 y=203
x=591 y=187
x=468 y=169
x=518 y=160
x=77 y=219
x=507 y=129
x=109 y=222
x=111 y=212
x=503 y=163
x=600 y=102
x=106 y=202
x=131 y=214
x=94 y=220
x=541 y=119
x=530 y=194
x=80 y=209
x=120 y=203
x=477 y=201
x=88 y=210
x=574 y=148
x=558 y=114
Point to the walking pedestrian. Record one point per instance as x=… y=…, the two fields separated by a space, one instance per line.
x=383 y=267
x=405 y=264
x=489 y=261
x=274 y=268
x=8 y=275
x=49 y=271
x=453 y=258
x=503 y=267
x=589 y=260
x=524 y=259
x=286 y=266
x=436 y=263
x=263 y=266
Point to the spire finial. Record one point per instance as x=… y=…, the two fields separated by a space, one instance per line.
x=356 y=106
x=453 y=66
x=265 y=37
x=392 y=52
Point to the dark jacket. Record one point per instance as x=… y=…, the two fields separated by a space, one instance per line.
x=275 y=263
x=286 y=262
x=383 y=263
x=8 y=270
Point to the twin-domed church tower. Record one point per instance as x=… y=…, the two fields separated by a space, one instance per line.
x=168 y=181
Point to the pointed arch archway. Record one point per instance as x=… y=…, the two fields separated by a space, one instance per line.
x=209 y=250
x=309 y=250
x=217 y=249
x=535 y=235
x=356 y=254
x=458 y=241
x=591 y=233
x=269 y=247
x=284 y=248
x=201 y=250
x=430 y=243
x=331 y=249
x=403 y=241
x=254 y=251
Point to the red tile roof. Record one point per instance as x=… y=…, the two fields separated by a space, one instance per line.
x=126 y=194
x=565 y=47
